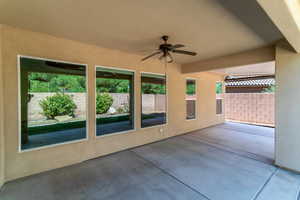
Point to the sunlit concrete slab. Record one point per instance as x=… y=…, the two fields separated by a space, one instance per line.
x=248 y=128
x=215 y=173
x=237 y=140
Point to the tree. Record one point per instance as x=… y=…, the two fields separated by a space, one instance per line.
x=112 y=85
x=191 y=89
x=103 y=102
x=58 y=105
x=270 y=89
x=219 y=88
x=151 y=88
x=46 y=82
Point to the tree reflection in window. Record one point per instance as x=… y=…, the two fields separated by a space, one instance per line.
x=114 y=100
x=52 y=102
x=154 y=102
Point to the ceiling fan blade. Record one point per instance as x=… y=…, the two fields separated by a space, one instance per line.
x=151 y=55
x=175 y=46
x=185 y=52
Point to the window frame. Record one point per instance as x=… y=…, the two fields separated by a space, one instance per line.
x=20 y=150
x=134 y=102
x=222 y=102
x=196 y=94
x=141 y=101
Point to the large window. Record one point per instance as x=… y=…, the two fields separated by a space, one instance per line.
x=52 y=102
x=114 y=100
x=190 y=99
x=154 y=100
x=219 y=98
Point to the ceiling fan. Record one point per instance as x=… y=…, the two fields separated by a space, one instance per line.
x=166 y=49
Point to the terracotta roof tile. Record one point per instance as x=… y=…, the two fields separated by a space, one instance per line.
x=257 y=82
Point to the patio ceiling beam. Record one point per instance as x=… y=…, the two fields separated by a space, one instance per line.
x=264 y=54
x=285 y=14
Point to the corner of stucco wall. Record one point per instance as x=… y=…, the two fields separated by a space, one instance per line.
x=286 y=107
x=2 y=165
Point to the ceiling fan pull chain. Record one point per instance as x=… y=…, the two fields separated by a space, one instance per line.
x=166 y=66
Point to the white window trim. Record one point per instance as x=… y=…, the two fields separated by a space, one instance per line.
x=134 y=103
x=196 y=94
x=167 y=100
x=19 y=106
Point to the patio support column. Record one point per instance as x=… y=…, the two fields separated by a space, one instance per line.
x=287 y=107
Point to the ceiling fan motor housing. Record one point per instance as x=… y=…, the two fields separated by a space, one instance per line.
x=165 y=47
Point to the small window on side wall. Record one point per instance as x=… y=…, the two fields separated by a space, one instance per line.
x=191 y=99
x=219 y=98
x=114 y=100
x=52 y=102
x=154 y=100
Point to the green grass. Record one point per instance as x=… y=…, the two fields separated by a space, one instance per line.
x=55 y=127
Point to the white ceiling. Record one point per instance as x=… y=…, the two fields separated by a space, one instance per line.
x=209 y=27
x=260 y=69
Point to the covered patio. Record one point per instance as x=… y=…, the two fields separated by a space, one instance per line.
x=219 y=162
x=125 y=100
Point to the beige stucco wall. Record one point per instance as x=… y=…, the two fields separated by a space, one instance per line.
x=287 y=99
x=17 y=41
x=1 y=117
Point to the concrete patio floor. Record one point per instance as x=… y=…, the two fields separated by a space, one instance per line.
x=228 y=161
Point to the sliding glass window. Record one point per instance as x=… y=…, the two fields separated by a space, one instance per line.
x=52 y=102
x=154 y=100
x=190 y=99
x=114 y=100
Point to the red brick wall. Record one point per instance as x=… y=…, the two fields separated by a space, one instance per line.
x=257 y=108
